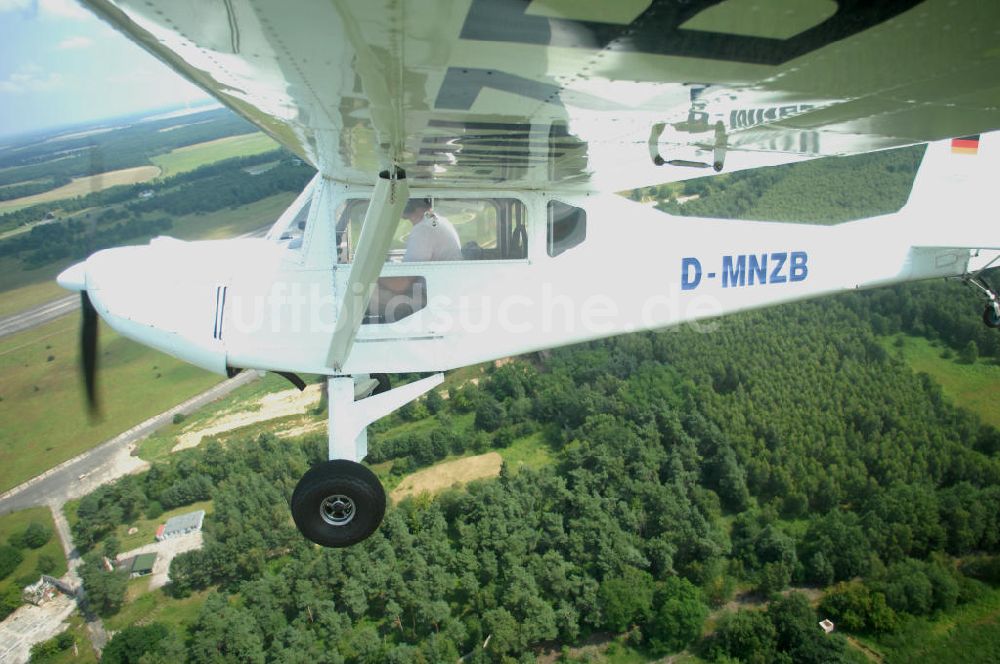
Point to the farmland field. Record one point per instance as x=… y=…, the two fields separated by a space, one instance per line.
x=84 y=185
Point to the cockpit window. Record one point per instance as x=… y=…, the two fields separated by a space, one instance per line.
x=296 y=230
x=445 y=229
x=567 y=227
x=289 y=229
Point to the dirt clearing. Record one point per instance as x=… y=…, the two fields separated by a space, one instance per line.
x=301 y=430
x=271 y=406
x=444 y=475
x=32 y=624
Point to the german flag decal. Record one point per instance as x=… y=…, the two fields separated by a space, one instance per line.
x=965 y=145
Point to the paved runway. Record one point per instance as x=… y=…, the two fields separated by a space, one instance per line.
x=39 y=315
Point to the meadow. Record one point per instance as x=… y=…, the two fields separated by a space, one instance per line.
x=14 y=524
x=43 y=420
x=30 y=295
x=190 y=157
x=968 y=634
x=973 y=387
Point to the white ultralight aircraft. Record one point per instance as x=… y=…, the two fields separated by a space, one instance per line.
x=517 y=120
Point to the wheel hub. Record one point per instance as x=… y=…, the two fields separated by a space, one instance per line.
x=337 y=510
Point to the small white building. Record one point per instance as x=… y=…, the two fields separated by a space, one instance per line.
x=181 y=525
x=827 y=625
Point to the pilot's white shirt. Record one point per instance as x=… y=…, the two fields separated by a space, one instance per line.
x=433 y=238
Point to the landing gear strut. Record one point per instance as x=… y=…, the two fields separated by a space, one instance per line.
x=340 y=502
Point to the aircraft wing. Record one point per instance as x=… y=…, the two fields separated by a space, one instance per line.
x=581 y=93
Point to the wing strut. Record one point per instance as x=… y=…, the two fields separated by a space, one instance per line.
x=381 y=219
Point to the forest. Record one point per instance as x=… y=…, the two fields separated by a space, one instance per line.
x=839 y=189
x=14 y=191
x=785 y=456
x=807 y=458
x=55 y=161
x=127 y=217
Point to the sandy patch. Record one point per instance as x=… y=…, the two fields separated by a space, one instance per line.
x=301 y=429
x=30 y=624
x=80 y=134
x=86 y=185
x=181 y=126
x=444 y=475
x=122 y=462
x=274 y=405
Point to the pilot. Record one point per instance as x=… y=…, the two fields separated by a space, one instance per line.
x=433 y=238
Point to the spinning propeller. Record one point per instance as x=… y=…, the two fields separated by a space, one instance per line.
x=88 y=352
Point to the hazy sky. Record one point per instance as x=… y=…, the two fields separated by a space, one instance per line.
x=60 y=64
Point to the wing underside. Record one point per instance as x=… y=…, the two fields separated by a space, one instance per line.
x=581 y=93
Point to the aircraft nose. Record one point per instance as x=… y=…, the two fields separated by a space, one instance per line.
x=74 y=277
x=162 y=295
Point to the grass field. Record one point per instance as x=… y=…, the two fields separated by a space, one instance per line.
x=83 y=186
x=444 y=475
x=156 y=606
x=42 y=416
x=28 y=296
x=969 y=634
x=191 y=157
x=16 y=522
x=85 y=653
x=231 y=222
x=970 y=386
x=13 y=276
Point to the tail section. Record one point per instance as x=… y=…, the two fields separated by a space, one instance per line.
x=953 y=203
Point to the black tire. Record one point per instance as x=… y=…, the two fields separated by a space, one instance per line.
x=318 y=503
x=383 y=383
x=990 y=316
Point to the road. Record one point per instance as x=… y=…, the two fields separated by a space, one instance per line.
x=108 y=461
x=54 y=309
x=95 y=627
x=84 y=473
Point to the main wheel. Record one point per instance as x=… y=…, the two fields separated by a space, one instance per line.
x=991 y=316
x=338 y=503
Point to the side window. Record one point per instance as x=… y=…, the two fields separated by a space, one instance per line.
x=395 y=298
x=474 y=229
x=289 y=228
x=567 y=227
x=296 y=230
